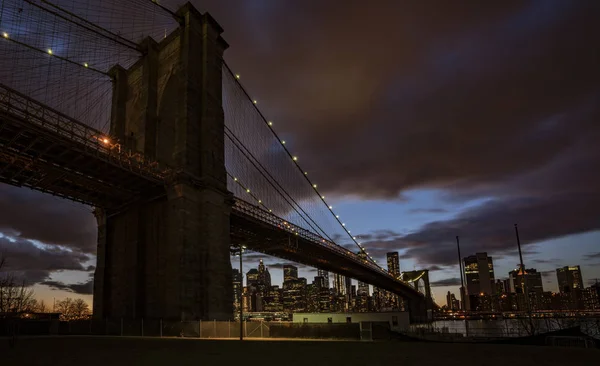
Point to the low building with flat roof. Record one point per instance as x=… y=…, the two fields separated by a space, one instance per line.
x=397 y=320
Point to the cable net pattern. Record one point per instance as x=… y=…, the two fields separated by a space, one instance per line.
x=263 y=173
x=60 y=52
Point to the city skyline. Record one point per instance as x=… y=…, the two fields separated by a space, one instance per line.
x=411 y=149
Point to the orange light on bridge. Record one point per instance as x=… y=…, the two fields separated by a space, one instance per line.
x=106 y=141
x=5 y=35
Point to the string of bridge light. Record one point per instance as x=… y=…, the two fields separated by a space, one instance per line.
x=285 y=223
x=305 y=173
x=51 y=53
x=259 y=201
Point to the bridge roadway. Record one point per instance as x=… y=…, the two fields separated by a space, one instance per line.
x=47 y=151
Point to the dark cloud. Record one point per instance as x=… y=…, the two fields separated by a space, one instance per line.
x=549 y=273
x=21 y=254
x=35 y=264
x=85 y=288
x=38 y=216
x=504 y=105
x=546 y=261
x=591 y=256
x=435 y=268
x=459 y=99
x=446 y=282
x=428 y=210
x=489 y=227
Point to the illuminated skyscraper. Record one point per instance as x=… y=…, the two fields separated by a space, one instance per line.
x=274 y=300
x=393 y=262
x=290 y=272
x=569 y=278
x=325 y=275
x=237 y=288
x=479 y=274
x=480 y=283
x=294 y=295
x=264 y=279
x=252 y=278
x=339 y=284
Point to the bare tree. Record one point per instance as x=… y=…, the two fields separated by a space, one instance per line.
x=73 y=309
x=15 y=295
x=41 y=307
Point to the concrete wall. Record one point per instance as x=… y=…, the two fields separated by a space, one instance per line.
x=402 y=317
x=168 y=256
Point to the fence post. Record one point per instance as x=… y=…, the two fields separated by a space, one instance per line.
x=229 y=329
x=121 y=327
x=105 y=326
x=90 y=326
x=261 y=329
x=215 y=327
x=142 y=327
x=245 y=329
x=200 y=328
x=161 y=327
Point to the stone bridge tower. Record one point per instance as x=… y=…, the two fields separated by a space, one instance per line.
x=168 y=256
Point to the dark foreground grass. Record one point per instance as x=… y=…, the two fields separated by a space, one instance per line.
x=113 y=351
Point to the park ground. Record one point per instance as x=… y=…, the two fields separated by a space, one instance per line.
x=113 y=351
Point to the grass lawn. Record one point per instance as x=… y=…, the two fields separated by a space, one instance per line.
x=114 y=351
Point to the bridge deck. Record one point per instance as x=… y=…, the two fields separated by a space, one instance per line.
x=47 y=151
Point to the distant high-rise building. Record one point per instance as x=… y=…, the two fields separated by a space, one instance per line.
x=479 y=274
x=252 y=278
x=362 y=291
x=500 y=287
x=264 y=279
x=294 y=295
x=531 y=279
x=452 y=302
x=339 y=284
x=393 y=262
x=480 y=282
x=569 y=278
x=237 y=288
x=290 y=272
x=348 y=287
x=591 y=297
x=322 y=292
x=274 y=300
x=325 y=275
x=246 y=300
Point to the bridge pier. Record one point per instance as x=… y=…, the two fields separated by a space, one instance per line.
x=168 y=256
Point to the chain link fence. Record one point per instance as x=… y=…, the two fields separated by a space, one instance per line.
x=186 y=329
x=137 y=328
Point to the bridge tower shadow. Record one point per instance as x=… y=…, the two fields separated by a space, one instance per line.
x=168 y=256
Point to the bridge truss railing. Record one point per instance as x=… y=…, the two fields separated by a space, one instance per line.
x=17 y=104
x=265 y=216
